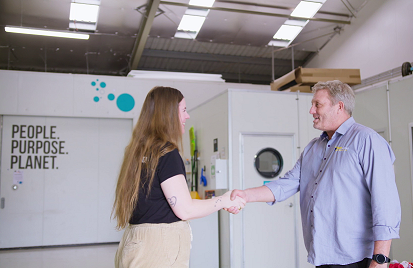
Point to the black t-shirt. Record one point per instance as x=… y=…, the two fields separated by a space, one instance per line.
x=155 y=208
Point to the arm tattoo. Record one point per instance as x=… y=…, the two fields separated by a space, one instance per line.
x=172 y=201
x=219 y=199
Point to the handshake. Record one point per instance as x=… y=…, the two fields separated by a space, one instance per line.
x=234 y=201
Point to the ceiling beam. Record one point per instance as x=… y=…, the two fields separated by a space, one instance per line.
x=217 y=58
x=144 y=29
x=254 y=12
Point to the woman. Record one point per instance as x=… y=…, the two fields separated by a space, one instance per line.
x=152 y=198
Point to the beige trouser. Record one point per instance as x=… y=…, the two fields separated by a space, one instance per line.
x=155 y=245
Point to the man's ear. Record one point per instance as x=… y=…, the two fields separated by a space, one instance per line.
x=341 y=106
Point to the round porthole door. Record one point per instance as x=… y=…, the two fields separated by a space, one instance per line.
x=268 y=162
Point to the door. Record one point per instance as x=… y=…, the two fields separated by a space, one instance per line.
x=268 y=231
x=58 y=178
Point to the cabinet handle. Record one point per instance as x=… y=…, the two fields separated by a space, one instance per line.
x=2 y=202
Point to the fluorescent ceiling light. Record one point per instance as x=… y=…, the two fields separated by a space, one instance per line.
x=82 y=26
x=203 y=3
x=197 y=12
x=45 y=33
x=97 y=2
x=191 y=23
x=185 y=35
x=84 y=12
x=287 y=32
x=300 y=23
x=292 y=27
x=317 y=1
x=193 y=19
x=306 y=9
x=279 y=43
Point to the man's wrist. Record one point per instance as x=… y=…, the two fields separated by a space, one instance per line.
x=381 y=258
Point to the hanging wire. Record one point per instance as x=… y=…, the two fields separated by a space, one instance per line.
x=45 y=59
x=87 y=62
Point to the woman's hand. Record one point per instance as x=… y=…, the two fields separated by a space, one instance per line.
x=176 y=193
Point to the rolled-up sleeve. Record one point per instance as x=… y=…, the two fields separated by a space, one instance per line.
x=286 y=186
x=377 y=160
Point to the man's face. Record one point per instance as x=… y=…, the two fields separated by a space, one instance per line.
x=324 y=113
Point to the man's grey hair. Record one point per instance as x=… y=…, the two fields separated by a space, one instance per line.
x=338 y=91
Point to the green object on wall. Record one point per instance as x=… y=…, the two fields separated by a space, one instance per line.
x=192 y=140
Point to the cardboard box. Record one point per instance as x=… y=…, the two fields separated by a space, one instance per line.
x=315 y=75
x=283 y=80
x=311 y=76
x=301 y=88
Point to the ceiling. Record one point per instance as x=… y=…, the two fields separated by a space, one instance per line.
x=139 y=35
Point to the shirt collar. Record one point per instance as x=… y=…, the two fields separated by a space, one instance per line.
x=342 y=129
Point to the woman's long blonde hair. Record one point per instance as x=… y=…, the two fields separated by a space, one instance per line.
x=157 y=132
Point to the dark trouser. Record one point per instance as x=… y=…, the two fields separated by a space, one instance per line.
x=361 y=264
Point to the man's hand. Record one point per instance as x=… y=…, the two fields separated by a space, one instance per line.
x=257 y=194
x=239 y=193
x=374 y=264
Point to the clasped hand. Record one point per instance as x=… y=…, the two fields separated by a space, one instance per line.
x=236 y=196
x=233 y=203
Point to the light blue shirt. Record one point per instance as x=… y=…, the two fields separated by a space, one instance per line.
x=348 y=194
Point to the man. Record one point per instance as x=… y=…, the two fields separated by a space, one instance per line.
x=350 y=206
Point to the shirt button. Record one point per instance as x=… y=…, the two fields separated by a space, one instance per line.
x=321 y=170
x=328 y=145
x=325 y=158
x=311 y=210
x=312 y=196
x=316 y=183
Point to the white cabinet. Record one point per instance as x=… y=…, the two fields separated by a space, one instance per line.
x=205 y=243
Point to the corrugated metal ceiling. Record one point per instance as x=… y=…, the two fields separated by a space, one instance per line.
x=231 y=43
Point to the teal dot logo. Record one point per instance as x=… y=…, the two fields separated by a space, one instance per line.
x=97 y=84
x=125 y=102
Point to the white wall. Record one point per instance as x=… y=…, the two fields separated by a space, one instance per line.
x=53 y=94
x=371 y=110
x=378 y=40
x=67 y=96
x=210 y=121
